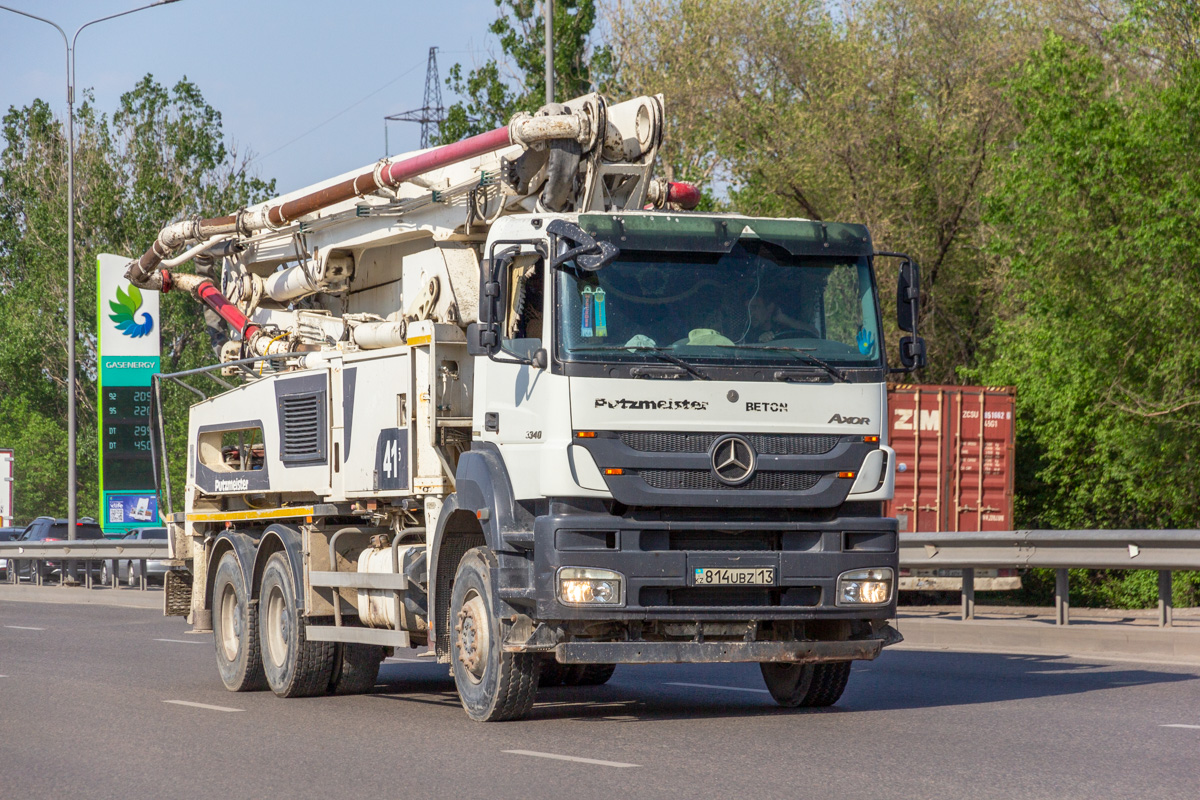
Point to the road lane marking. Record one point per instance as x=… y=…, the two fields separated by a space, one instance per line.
x=558 y=757
x=1180 y=725
x=711 y=686
x=182 y=641
x=201 y=705
x=23 y=628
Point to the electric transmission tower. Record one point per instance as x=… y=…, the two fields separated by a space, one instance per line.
x=432 y=113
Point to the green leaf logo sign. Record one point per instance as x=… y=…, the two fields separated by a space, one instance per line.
x=124 y=308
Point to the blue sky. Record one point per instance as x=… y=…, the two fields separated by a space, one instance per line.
x=274 y=69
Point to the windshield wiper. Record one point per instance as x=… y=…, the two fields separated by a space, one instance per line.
x=799 y=352
x=656 y=351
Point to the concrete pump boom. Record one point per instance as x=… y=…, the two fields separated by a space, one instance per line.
x=586 y=128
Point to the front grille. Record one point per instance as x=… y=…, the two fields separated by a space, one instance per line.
x=712 y=597
x=771 y=444
x=705 y=480
x=723 y=540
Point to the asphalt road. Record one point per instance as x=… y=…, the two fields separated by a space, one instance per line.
x=104 y=702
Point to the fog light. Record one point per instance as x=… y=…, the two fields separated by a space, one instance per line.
x=865 y=587
x=588 y=586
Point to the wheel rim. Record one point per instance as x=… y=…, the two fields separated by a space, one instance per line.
x=231 y=623
x=474 y=637
x=278 y=627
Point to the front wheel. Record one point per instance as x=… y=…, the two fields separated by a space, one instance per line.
x=295 y=667
x=492 y=684
x=235 y=629
x=806 y=685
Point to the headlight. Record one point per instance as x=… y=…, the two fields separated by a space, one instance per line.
x=588 y=586
x=865 y=587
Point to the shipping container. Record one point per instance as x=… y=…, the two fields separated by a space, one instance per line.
x=954 y=468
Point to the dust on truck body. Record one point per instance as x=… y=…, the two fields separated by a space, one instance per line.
x=506 y=399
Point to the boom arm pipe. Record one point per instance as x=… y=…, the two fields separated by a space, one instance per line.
x=147 y=272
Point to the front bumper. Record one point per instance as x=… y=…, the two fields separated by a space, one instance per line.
x=802 y=652
x=657 y=558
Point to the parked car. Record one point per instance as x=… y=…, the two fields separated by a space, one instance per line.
x=7 y=534
x=130 y=571
x=49 y=529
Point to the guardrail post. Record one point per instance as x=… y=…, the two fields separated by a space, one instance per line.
x=1165 y=603
x=968 y=593
x=1062 y=598
x=142 y=574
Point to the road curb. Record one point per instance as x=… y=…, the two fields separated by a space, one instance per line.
x=1105 y=640
x=77 y=595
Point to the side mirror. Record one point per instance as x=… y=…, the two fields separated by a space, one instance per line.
x=912 y=352
x=908 y=296
x=486 y=335
x=540 y=359
x=475 y=335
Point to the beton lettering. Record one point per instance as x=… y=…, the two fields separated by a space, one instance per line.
x=777 y=408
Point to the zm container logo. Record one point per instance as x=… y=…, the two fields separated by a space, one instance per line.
x=125 y=308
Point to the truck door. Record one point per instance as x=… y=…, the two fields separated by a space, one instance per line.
x=516 y=399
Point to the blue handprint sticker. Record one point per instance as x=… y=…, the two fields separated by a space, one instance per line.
x=866 y=341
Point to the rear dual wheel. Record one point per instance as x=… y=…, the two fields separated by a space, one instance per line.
x=806 y=685
x=294 y=666
x=235 y=629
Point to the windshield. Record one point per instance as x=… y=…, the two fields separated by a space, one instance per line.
x=757 y=302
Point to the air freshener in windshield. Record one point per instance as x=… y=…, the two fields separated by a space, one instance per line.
x=601 y=314
x=588 y=303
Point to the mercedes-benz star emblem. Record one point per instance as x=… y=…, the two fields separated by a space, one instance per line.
x=733 y=460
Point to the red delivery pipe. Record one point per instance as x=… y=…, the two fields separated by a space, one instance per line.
x=211 y=296
x=142 y=272
x=685 y=195
x=392 y=175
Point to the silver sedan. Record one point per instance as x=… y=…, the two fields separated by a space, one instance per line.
x=129 y=571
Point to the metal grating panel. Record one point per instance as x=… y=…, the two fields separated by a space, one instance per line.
x=705 y=480
x=774 y=444
x=302 y=431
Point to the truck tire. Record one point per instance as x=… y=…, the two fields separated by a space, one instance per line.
x=828 y=683
x=553 y=673
x=492 y=684
x=788 y=683
x=593 y=675
x=294 y=666
x=235 y=629
x=355 y=668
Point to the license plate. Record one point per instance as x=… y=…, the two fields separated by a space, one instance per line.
x=726 y=576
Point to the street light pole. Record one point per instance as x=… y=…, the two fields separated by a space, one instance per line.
x=549 y=51
x=72 y=510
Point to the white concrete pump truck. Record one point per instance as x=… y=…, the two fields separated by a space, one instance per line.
x=506 y=400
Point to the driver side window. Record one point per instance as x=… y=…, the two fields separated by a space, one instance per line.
x=526 y=293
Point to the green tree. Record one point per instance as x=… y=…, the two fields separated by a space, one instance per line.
x=889 y=113
x=516 y=82
x=1093 y=215
x=162 y=156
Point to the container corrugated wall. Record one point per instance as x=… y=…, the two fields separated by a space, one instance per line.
x=954 y=457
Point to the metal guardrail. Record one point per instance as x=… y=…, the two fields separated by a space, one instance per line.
x=1163 y=550
x=72 y=557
